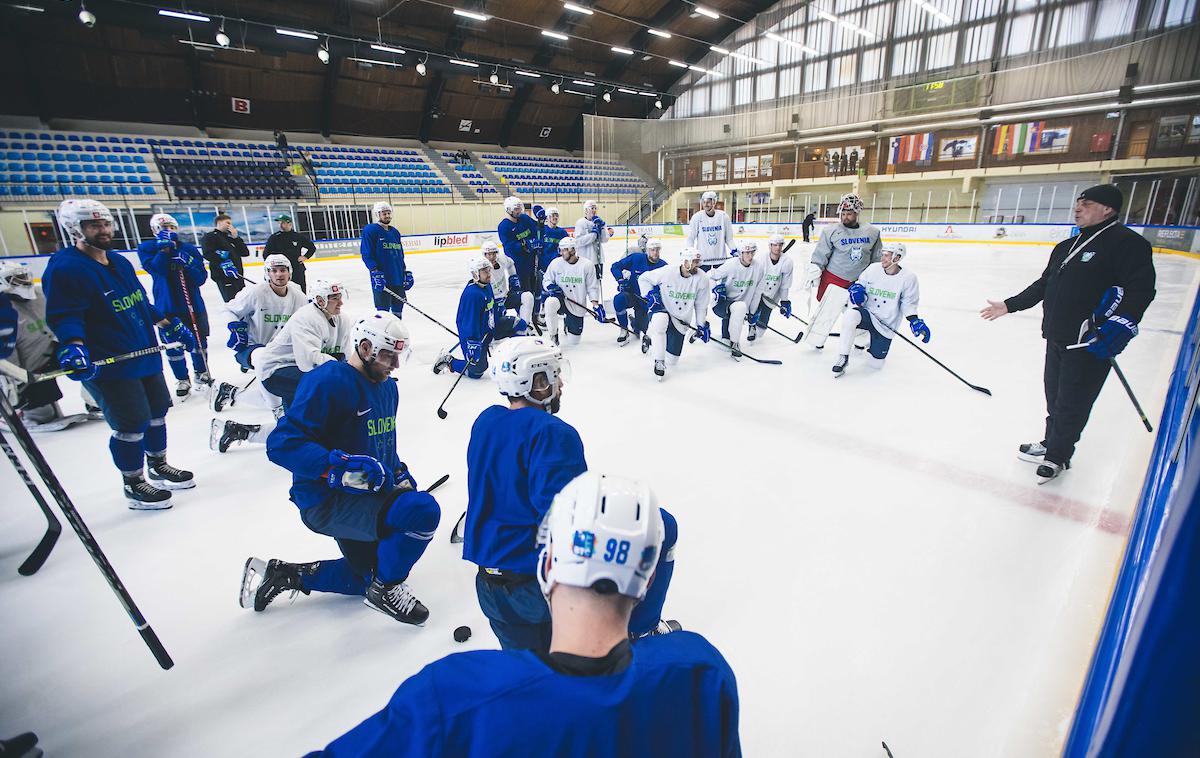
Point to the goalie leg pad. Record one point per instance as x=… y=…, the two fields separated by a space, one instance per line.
x=828 y=312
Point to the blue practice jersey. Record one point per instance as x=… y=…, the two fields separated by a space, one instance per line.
x=517 y=461
x=636 y=264
x=678 y=697
x=335 y=407
x=164 y=275
x=517 y=237
x=551 y=236
x=381 y=250
x=476 y=312
x=106 y=307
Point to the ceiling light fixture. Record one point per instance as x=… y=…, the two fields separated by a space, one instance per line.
x=468 y=64
x=86 y=17
x=720 y=50
x=627 y=91
x=469 y=14
x=386 y=49
x=582 y=83
x=555 y=35
x=495 y=77
x=622 y=50
x=608 y=97
x=184 y=16
x=323 y=55
x=578 y=8
x=659 y=33
x=555 y=88
x=377 y=62
x=291 y=33
x=222 y=37
x=658 y=103
x=30 y=8
x=677 y=63
x=530 y=74
x=706 y=12
x=804 y=48
x=421 y=67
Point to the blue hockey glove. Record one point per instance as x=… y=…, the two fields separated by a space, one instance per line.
x=1108 y=304
x=177 y=332
x=75 y=358
x=230 y=270
x=521 y=327
x=239 y=337
x=654 y=301
x=601 y=316
x=1111 y=337
x=408 y=281
x=8 y=327
x=785 y=308
x=719 y=291
x=179 y=256
x=354 y=472
x=752 y=318
x=598 y=225
x=858 y=294
x=473 y=351
x=166 y=241
x=514 y=283
x=625 y=285
x=553 y=290
x=402 y=478
x=539 y=213
x=704 y=332
x=378 y=280
x=919 y=329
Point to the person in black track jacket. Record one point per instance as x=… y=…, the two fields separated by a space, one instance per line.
x=293 y=245
x=1093 y=292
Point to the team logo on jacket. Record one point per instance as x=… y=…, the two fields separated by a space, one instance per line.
x=1087 y=256
x=855 y=254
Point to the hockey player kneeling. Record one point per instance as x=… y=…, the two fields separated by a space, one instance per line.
x=594 y=692
x=884 y=296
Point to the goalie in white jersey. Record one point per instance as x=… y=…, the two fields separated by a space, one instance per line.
x=506 y=285
x=675 y=296
x=777 y=286
x=739 y=284
x=883 y=298
x=710 y=232
x=568 y=284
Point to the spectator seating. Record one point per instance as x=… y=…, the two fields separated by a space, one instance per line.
x=354 y=170
x=199 y=169
x=47 y=166
x=468 y=174
x=564 y=174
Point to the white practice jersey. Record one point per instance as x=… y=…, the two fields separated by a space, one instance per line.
x=588 y=244
x=264 y=312
x=890 y=298
x=306 y=341
x=684 y=297
x=777 y=284
x=847 y=252
x=711 y=235
x=742 y=283
x=578 y=282
x=503 y=269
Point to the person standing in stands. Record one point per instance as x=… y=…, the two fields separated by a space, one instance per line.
x=293 y=245
x=224 y=250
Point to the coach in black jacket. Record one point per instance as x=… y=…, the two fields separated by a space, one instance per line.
x=224 y=250
x=293 y=245
x=1094 y=291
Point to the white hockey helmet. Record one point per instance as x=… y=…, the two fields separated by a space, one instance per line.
x=159 y=220
x=590 y=205
x=16 y=279
x=602 y=533
x=513 y=204
x=552 y=211
x=475 y=264
x=850 y=202
x=488 y=247
x=73 y=213
x=275 y=260
x=897 y=249
x=566 y=243
x=775 y=239
x=710 y=195
x=518 y=361
x=653 y=243
x=690 y=254
x=748 y=246
x=385 y=331
x=321 y=290
x=378 y=209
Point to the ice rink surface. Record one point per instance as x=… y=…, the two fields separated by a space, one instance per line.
x=868 y=552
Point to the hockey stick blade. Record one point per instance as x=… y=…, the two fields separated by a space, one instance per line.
x=788 y=246
x=53 y=525
x=456 y=536
x=438 y=483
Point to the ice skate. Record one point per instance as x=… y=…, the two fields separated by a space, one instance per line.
x=443 y=362
x=660 y=369
x=1034 y=452
x=397 y=601
x=751 y=333
x=839 y=368
x=143 y=496
x=1050 y=470
x=222 y=434
x=165 y=476
x=183 y=388
x=623 y=339
x=223 y=396
x=735 y=350
x=263 y=581
x=645 y=343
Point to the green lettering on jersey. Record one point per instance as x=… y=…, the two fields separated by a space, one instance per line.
x=886 y=294
x=381 y=425
x=129 y=301
x=276 y=318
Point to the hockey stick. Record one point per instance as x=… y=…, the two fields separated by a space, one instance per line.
x=456 y=534
x=85 y=536
x=718 y=340
x=438 y=483
x=53 y=527
x=1120 y=376
x=794 y=340
x=788 y=246
x=608 y=320
x=105 y=361
x=187 y=298
x=405 y=301
x=441 y=409
x=975 y=387
x=799 y=336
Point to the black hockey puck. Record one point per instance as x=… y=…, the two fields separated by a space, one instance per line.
x=462 y=634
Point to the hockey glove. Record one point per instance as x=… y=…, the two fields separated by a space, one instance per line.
x=408 y=281
x=1108 y=304
x=165 y=241
x=625 y=284
x=521 y=328
x=654 y=301
x=75 y=358
x=179 y=257
x=752 y=318
x=1111 y=337
x=919 y=329
x=598 y=225
x=704 y=332
x=230 y=270
x=554 y=290
x=514 y=283
x=785 y=308
x=378 y=280
x=719 y=292
x=812 y=276
x=239 y=337
x=8 y=327
x=402 y=478
x=601 y=316
x=473 y=350
x=858 y=294
x=177 y=332
x=354 y=472
x=539 y=213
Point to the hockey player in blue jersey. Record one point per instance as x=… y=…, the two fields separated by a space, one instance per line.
x=629 y=297
x=519 y=237
x=166 y=258
x=593 y=692
x=480 y=320
x=98 y=309
x=518 y=458
x=552 y=234
x=339 y=441
x=383 y=254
